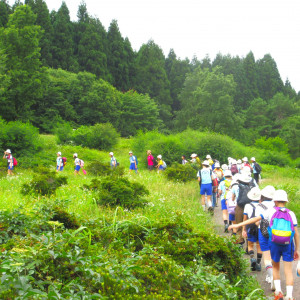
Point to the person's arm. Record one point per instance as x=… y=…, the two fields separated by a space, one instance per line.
x=297 y=245
x=4 y=156
x=244 y=231
x=248 y=222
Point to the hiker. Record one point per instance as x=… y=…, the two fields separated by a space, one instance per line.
x=161 y=165
x=133 y=162
x=113 y=161
x=239 y=165
x=222 y=190
x=183 y=160
x=234 y=169
x=59 y=162
x=195 y=159
x=10 y=162
x=205 y=179
x=239 y=194
x=246 y=164
x=208 y=158
x=284 y=241
x=150 y=160
x=218 y=172
x=256 y=169
x=224 y=167
x=250 y=232
x=266 y=203
x=77 y=163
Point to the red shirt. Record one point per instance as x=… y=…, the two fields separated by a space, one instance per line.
x=150 y=160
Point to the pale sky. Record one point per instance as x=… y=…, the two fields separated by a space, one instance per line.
x=200 y=27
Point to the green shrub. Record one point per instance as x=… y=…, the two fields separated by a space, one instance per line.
x=21 y=138
x=272 y=144
x=276 y=158
x=99 y=136
x=179 y=172
x=69 y=220
x=99 y=168
x=116 y=191
x=63 y=133
x=44 y=183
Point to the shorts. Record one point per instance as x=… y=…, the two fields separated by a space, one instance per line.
x=59 y=168
x=132 y=167
x=77 y=168
x=252 y=238
x=286 y=251
x=223 y=204
x=150 y=168
x=206 y=189
x=263 y=241
x=231 y=217
x=161 y=168
x=10 y=167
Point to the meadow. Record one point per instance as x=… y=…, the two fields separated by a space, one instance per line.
x=66 y=246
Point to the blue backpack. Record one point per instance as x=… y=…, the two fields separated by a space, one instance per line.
x=281 y=229
x=136 y=160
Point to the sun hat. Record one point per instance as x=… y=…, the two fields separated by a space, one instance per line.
x=130 y=152
x=236 y=177
x=224 y=167
x=111 y=153
x=159 y=156
x=245 y=159
x=254 y=194
x=208 y=156
x=217 y=165
x=59 y=153
x=233 y=161
x=280 y=195
x=75 y=154
x=193 y=155
x=227 y=173
x=205 y=163
x=239 y=161
x=268 y=191
x=8 y=151
x=244 y=178
x=253 y=158
x=246 y=170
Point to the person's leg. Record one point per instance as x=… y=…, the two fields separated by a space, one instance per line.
x=214 y=199
x=251 y=253
x=203 y=201
x=288 y=272
x=258 y=256
x=239 y=215
x=256 y=177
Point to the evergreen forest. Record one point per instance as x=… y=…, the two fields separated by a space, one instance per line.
x=55 y=71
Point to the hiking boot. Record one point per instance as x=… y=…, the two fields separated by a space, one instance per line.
x=211 y=210
x=258 y=267
x=253 y=264
x=278 y=296
x=226 y=228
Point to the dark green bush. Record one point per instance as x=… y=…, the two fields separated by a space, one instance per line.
x=21 y=138
x=99 y=136
x=44 y=183
x=99 y=168
x=276 y=158
x=63 y=133
x=117 y=191
x=179 y=172
x=62 y=216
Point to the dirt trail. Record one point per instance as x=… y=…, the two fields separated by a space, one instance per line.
x=261 y=275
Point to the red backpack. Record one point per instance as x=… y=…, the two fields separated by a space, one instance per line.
x=64 y=159
x=15 y=163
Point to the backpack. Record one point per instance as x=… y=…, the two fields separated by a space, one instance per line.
x=257 y=167
x=81 y=163
x=281 y=230
x=227 y=188
x=264 y=224
x=252 y=228
x=135 y=158
x=219 y=174
x=15 y=163
x=64 y=160
x=164 y=165
x=244 y=188
x=230 y=203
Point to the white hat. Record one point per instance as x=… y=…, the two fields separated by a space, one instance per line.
x=217 y=165
x=205 y=163
x=75 y=154
x=246 y=170
x=280 y=195
x=253 y=158
x=268 y=191
x=254 y=194
x=59 y=153
x=233 y=161
x=111 y=153
x=159 y=156
x=8 y=151
x=130 y=152
x=245 y=159
x=244 y=178
x=208 y=156
x=227 y=173
x=239 y=161
x=236 y=177
x=193 y=155
x=224 y=167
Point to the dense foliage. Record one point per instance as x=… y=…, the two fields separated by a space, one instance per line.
x=181 y=173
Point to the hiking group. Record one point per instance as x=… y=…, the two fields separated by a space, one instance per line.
x=257 y=216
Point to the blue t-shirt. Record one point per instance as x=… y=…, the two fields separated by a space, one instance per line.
x=253 y=167
x=205 y=175
x=132 y=159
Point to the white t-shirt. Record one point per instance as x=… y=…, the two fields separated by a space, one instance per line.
x=260 y=210
x=77 y=161
x=270 y=212
x=249 y=209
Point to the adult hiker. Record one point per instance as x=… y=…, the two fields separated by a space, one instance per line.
x=133 y=162
x=195 y=159
x=183 y=160
x=205 y=179
x=113 y=161
x=239 y=194
x=256 y=168
x=10 y=162
x=210 y=161
x=150 y=160
x=218 y=172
